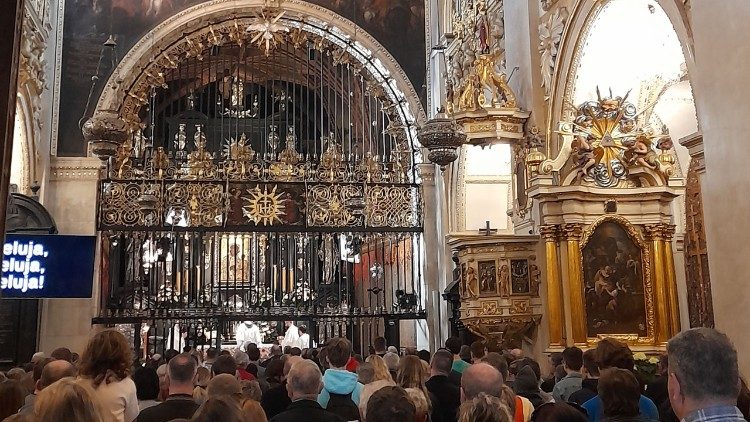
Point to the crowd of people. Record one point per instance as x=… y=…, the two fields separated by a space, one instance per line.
x=698 y=381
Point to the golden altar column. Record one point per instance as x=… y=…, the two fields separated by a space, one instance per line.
x=655 y=234
x=572 y=233
x=555 y=312
x=671 y=280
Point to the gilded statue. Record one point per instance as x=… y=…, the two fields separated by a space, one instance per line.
x=160 y=162
x=122 y=160
x=468 y=99
x=200 y=161
x=484 y=66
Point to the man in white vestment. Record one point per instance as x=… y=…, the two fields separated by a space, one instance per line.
x=248 y=332
x=291 y=337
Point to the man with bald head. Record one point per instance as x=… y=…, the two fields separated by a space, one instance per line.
x=51 y=371
x=276 y=400
x=481 y=378
x=181 y=371
x=304 y=382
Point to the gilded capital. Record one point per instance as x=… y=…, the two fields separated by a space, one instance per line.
x=550 y=232
x=572 y=231
x=656 y=231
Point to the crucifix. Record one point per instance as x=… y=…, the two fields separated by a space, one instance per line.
x=487 y=231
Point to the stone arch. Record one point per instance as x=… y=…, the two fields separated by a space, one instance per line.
x=154 y=50
x=25 y=140
x=581 y=18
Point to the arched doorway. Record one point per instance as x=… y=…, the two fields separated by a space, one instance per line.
x=269 y=176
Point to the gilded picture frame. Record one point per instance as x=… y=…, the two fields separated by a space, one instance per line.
x=633 y=337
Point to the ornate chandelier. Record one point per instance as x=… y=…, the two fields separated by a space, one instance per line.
x=442 y=137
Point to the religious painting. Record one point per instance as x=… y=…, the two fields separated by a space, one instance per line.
x=519 y=276
x=613 y=282
x=234 y=259
x=487 y=278
x=398 y=25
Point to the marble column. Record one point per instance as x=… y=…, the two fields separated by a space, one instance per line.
x=432 y=251
x=572 y=233
x=555 y=312
x=71 y=200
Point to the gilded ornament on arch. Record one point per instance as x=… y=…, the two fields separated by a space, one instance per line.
x=335 y=205
x=391 y=206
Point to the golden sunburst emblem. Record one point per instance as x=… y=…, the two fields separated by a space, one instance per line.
x=264 y=207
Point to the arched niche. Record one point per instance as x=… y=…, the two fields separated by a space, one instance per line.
x=156 y=51
x=584 y=33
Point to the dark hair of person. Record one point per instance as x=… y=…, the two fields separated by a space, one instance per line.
x=182 y=368
x=211 y=353
x=453 y=344
x=275 y=370
x=38 y=367
x=573 y=358
x=611 y=353
x=338 y=351
x=106 y=358
x=556 y=358
x=287 y=350
x=379 y=344
x=220 y=408
x=558 y=412
x=253 y=369
x=589 y=362
x=295 y=351
x=253 y=352
x=465 y=353
x=390 y=403
x=225 y=352
x=442 y=361
x=705 y=364
x=62 y=353
x=533 y=364
x=224 y=364
x=743 y=399
x=12 y=396
x=620 y=392
x=477 y=349
x=302 y=329
x=498 y=361
x=146 y=383
x=424 y=355
x=169 y=354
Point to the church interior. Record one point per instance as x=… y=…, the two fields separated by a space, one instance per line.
x=534 y=174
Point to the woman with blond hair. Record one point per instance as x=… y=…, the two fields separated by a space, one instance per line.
x=484 y=408
x=105 y=367
x=67 y=400
x=380 y=368
x=411 y=375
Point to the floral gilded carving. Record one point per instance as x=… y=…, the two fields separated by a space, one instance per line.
x=550 y=35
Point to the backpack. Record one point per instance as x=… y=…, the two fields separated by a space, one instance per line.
x=343 y=405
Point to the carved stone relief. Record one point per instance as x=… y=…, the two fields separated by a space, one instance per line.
x=550 y=35
x=700 y=304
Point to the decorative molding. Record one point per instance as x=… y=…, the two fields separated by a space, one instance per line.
x=65 y=169
x=56 y=77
